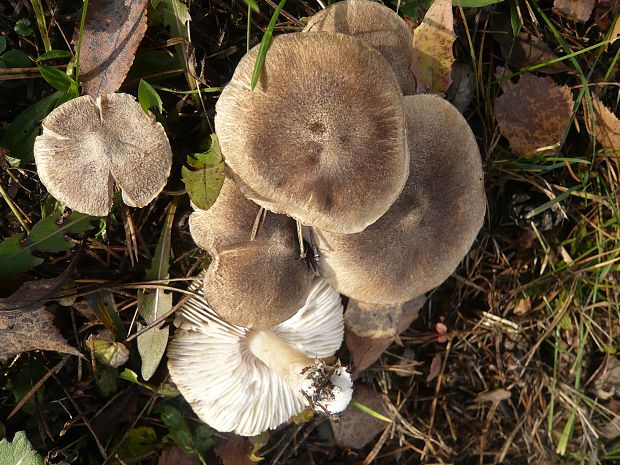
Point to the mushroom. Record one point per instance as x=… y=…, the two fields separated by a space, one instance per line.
x=422 y=238
x=86 y=145
x=250 y=380
x=254 y=283
x=378 y=26
x=324 y=126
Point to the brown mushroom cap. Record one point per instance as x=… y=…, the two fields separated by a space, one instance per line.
x=86 y=145
x=257 y=283
x=419 y=242
x=378 y=26
x=324 y=125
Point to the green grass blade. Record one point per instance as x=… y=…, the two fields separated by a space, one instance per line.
x=264 y=44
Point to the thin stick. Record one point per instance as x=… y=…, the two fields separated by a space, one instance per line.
x=13 y=208
x=300 y=238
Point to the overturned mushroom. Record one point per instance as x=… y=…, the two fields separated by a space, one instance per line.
x=334 y=154
x=87 y=145
x=254 y=283
x=250 y=380
x=378 y=26
x=422 y=238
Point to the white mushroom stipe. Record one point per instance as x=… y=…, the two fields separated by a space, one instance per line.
x=228 y=385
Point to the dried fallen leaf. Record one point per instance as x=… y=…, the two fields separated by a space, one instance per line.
x=32 y=330
x=495 y=395
x=524 y=49
x=607 y=127
x=533 y=113
x=112 y=32
x=523 y=306
x=610 y=428
x=435 y=368
x=432 y=49
x=175 y=456
x=607 y=384
x=33 y=294
x=233 y=450
x=355 y=428
x=579 y=10
x=366 y=350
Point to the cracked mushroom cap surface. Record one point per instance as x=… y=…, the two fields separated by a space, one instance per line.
x=255 y=283
x=378 y=26
x=87 y=145
x=420 y=241
x=227 y=386
x=324 y=122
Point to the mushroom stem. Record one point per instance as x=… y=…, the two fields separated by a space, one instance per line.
x=327 y=389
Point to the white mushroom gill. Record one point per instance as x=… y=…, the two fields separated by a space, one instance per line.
x=248 y=381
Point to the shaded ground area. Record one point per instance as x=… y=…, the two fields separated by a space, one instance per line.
x=512 y=360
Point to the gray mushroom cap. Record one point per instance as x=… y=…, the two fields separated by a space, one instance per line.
x=378 y=26
x=324 y=123
x=419 y=242
x=87 y=145
x=255 y=283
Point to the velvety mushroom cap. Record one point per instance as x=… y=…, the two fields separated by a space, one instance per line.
x=324 y=125
x=226 y=384
x=228 y=222
x=257 y=283
x=419 y=242
x=86 y=145
x=378 y=26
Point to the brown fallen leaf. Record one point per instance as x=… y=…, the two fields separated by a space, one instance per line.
x=607 y=384
x=366 y=350
x=175 y=456
x=495 y=395
x=607 y=127
x=579 y=10
x=32 y=330
x=524 y=49
x=112 y=32
x=31 y=295
x=435 y=368
x=533 y=113
x=233 y=450
x=355 y=428
x=432 y=49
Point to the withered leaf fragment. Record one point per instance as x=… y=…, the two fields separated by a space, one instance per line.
x=579 y=10
x=355 y=428
x=432 y=49
x=533 y=114
x=112 y=32
x=606 y=128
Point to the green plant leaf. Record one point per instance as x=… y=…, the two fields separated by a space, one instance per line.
x=58 y=79
x=23 y=27
x=204 y=181
x=179 y=431
x=140 y=441
x=2 y=44
x=173 y=14
x=19 y=137
x=53 y=55
x=474 y=3
x=148 y=97
x=16 y=255
x=20 y=451
x=16 y=59
x=152 y=305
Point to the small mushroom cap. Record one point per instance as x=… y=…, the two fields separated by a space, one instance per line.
x=324 y=123
x=378 y=26
x=86 y=145
x=419 y=242
x=226 y=385
x=229 y=221
x=258 y=283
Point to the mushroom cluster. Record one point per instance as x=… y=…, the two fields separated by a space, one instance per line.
x=386 y=187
